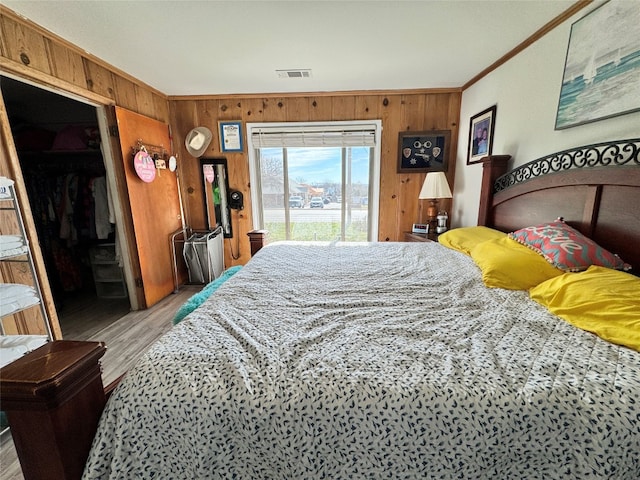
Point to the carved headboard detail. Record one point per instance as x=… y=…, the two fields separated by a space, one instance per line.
x=595 y=188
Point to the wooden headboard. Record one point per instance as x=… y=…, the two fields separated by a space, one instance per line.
x=595 y=188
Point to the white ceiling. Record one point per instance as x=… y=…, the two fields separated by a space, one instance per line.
x=185 y=47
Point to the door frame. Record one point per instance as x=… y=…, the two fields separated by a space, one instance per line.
x=131 y=267
x=125 y=236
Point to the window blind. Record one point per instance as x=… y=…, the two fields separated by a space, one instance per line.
x=356 y=135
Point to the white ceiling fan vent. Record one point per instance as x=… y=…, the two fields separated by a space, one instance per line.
x=298 y=73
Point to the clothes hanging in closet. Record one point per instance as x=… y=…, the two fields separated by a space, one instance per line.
x=70 y=210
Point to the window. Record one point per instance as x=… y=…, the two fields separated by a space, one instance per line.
x=315 y=181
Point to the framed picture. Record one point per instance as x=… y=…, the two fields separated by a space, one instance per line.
x=420 y=152
x=481 y=128
x=230 y=136
x=602 y=66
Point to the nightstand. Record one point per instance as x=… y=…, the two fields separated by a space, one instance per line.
x=420 y=237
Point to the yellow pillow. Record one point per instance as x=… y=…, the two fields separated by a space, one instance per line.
x=507 y=264
x=466 y=238
x=599 y=300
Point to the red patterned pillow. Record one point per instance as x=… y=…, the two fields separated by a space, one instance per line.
x=566 y=248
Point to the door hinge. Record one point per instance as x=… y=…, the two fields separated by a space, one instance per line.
x=139 y=283
x=113 y=130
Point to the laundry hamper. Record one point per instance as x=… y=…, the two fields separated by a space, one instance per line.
x=204 y=255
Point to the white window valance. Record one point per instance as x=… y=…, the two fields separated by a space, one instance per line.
x=282 y=135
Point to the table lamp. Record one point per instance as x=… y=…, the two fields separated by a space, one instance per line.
x=435 y=186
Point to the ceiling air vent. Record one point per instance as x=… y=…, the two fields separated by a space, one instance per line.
x=299 y=73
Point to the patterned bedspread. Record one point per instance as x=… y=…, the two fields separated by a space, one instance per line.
x=382 y=360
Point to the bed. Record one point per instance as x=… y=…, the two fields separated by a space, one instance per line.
x=397 y=360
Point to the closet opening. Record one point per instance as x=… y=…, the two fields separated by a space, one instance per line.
x=62 y=160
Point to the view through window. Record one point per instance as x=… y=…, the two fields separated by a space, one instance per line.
x=314 y=192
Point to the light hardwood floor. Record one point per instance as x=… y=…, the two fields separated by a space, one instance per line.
x=126 y=334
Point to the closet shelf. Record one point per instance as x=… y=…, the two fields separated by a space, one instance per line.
x=107 y=274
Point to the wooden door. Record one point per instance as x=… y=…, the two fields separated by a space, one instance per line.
x=155 y=205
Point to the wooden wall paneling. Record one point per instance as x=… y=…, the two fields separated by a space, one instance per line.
x=204 y=115
x=99 y=79
x=228 y=109
x=441 y=120
x=25 y=45
x=145 y=104
x=275 y=110
x=55 y=62
x=4 y=48
x=343 y=108
x=237 y=249
x=408 y=202
x=437 y=118
x=414 y=115
x=453 y=114
x=252 y=110
x=367 y=107
x=207 y=114
x=51 y=82
x=67 y=64
x=431 y=118
x=183 y=118
x=319 y=109
x=413 y=112
x=436 y=112
x=298 y=107
x=390 y=184
x=446 y=101
x=125 y=93
x=399 y=206
x=161 y=107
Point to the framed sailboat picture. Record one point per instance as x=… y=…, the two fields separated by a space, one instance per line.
x=602 y=66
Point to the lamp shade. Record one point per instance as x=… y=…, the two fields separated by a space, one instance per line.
x=435 y=186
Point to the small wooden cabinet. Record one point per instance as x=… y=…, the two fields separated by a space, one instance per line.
x=42 y=393
x=420 y=237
